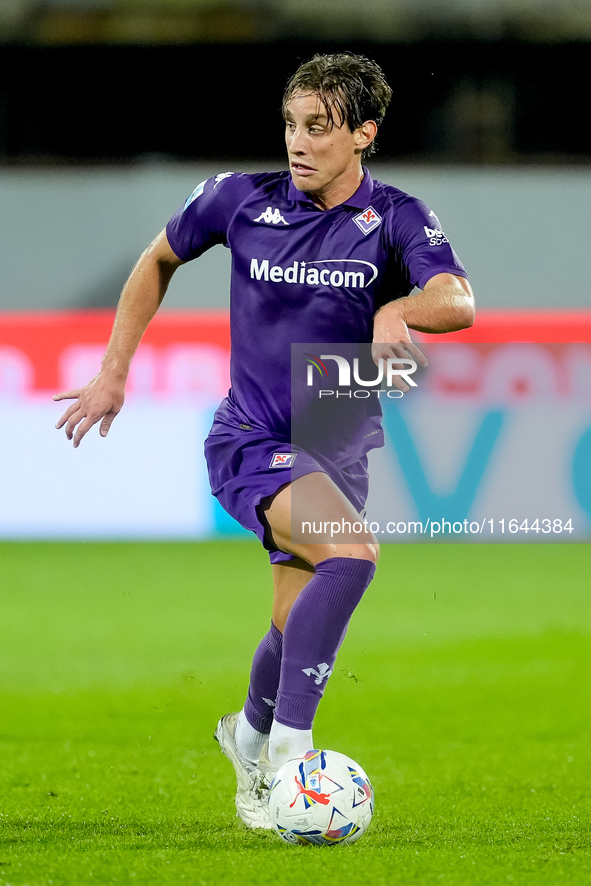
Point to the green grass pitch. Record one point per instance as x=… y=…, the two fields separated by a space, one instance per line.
x=463 y=688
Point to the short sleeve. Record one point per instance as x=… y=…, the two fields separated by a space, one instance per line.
x=423 y=247
x=202 y=221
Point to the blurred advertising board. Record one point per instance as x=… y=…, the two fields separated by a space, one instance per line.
x=498 y=438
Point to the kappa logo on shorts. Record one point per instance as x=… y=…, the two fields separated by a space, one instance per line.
x=367 y=220
x=282 y=459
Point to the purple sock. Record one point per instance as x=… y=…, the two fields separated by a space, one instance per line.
x=264 y=680
x=315 y=629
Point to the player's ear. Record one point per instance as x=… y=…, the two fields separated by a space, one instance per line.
x=365 y=134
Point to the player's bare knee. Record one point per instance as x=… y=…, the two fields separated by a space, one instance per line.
x=361 y=551
x=368 y=551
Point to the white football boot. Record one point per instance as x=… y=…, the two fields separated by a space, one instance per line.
x=252 y=791
x=266 y=769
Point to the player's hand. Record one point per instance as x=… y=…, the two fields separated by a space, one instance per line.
x=100 y=400
x=392 y=339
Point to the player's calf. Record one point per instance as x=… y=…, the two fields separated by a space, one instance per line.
x=314 y=631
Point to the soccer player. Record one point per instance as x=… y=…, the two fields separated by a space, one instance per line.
x=295 y=237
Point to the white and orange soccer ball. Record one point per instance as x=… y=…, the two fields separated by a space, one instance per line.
x=323 y=798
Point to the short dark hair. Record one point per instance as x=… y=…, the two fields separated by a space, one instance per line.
x=352 y=85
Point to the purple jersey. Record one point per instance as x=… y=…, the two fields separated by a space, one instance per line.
x=300 y=274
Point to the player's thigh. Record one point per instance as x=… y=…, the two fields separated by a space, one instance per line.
x=289 y=580
x=314 y=498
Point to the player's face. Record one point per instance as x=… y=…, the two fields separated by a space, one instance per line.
x=324 y=158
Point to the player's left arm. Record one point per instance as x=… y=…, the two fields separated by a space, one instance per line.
x=445 y=304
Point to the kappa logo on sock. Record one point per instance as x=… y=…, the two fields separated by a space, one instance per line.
x=320 y=672
x=269 y=702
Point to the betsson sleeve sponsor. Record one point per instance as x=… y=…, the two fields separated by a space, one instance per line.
x=425 y=248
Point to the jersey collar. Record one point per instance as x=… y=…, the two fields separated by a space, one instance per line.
x=359 y=200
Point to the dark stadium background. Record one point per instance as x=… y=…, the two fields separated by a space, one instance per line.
x=455 y=100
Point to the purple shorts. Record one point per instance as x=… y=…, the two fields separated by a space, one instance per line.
x=247 y=466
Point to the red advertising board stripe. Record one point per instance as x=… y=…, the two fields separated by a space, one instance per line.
x=543 y=326
x=42 y=336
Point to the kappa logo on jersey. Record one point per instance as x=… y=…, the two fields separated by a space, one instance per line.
x=271 y=217
x=282 y=459
x=219 y=178
x=368 y=220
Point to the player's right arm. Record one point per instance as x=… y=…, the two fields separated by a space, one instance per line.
x=102 y=398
